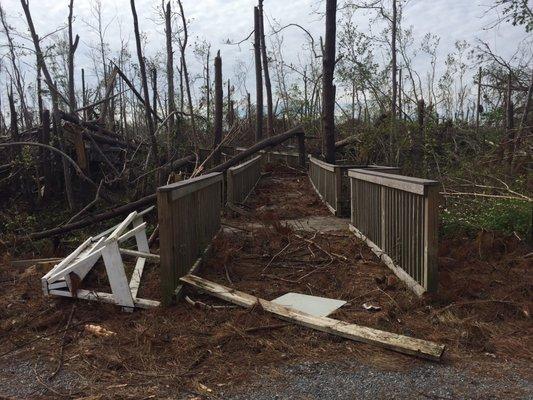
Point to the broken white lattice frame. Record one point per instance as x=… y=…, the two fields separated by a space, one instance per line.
x=64 y=278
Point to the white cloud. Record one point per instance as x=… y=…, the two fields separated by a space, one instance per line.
x=218 y=20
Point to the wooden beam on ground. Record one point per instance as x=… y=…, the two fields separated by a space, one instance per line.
x=392 y=341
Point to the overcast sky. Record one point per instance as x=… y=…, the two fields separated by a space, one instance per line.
x=218 y=20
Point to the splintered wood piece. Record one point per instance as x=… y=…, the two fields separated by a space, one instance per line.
x=402 y=344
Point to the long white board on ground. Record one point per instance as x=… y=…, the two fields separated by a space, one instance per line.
x=402 y=344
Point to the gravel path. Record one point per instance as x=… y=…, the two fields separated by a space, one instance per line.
x=428 y=381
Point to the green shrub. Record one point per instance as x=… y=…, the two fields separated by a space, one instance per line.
x=508 y=216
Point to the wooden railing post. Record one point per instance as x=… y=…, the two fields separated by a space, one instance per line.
x=230 y=198
x=338 y=189
x=301 y=149
x=431 y=205
x=167 y=256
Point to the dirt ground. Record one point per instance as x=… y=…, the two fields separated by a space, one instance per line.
x=205 y=348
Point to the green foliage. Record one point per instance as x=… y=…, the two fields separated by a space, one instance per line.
x=517 y=12
x=492 y=214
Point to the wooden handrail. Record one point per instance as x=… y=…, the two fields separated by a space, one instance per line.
x=401 y=182
x=183 y=188
x=244 y=165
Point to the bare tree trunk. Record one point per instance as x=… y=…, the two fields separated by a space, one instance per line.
x=58 y=132
x=83 y=94
x=400 y=113
x=183 y=47
x=306 y=96
x=55 y=94
x=392 y=135
x=208 y=88
x=509 y=120
x=268 y=85
x=170 y=70
x=105 y=114
x=154 y=89
x=249 y=110
x=328 y=89
x=230 y=107
x=39 y=94
x=45 y=159
x=72 y=46
x=218 y=107
x=419 y=140
x=182 y=95
x=16 y=71
x=258 y=76
x=527 y=104
x=40 y=57
x=144 y=81
x=17 y=151
x=478 y=104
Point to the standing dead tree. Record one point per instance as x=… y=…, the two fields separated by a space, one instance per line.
x=258 y=76
x=55 y=94
x=218 y=106
x=394 y=67
x=183 y=47
x=72 y=46
x=144 y=81
x=171 y=105
x=328 y=90
x=268 y=86
x=19 y=84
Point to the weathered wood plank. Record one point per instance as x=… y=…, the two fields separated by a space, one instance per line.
x=392 y=341
x=404 y=183
x=389 y=262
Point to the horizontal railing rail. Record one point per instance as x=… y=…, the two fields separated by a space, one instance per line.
x=241 y=180
x=332 y=184
x=189 y=218
x=277 y=157
x=397 y=216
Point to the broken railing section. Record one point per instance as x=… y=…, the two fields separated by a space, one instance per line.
x=332 y=184
x=65 y=278
x=189 y=219
x=241 y=180
x=397 y=217
x=392 y=341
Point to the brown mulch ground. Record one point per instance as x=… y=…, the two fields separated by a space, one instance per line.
x=482 y=310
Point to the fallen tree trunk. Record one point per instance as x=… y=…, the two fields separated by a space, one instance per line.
x=112 y=213
x=150 y=199
x=95 y=130
x=344 y=142
x=392 y=341
x=263 y=144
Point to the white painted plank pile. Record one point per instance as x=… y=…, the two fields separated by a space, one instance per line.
x=65 y=278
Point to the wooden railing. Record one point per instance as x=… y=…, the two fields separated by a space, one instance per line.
x=226 y=152
x=277 y=157
x=397 y=217
x=283 y=157
x=189 y=218
x=242 y=179
x=332 y=184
